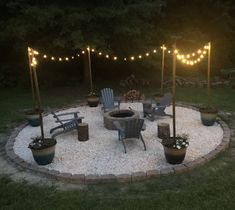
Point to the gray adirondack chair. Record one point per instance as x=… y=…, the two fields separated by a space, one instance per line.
x=158 y=110
x=130 y=129
x=109 y=101
x=66 y=125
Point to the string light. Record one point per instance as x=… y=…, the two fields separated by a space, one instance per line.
x=189 y=58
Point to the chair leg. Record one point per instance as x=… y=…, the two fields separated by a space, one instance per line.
x=53 y=129
x=143 y=142
x=124 y=145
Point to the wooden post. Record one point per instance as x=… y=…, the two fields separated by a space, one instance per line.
x=163 y=130
x=83 y=132
x=173 y=88
x=209 y=74
x=31 y=76
x=38 y=99
x=89 y=66
x=163 y=65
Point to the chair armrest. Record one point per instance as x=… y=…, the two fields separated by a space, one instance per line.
x=68 y=113
x=118 y=126
x=71 y=119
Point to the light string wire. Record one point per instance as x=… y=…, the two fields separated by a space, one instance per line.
x=188 y=58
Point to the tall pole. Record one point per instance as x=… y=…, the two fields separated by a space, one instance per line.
x=163 y=65
x=31 y=76
x=173 y=88
x=209 y=74
x=89 y=66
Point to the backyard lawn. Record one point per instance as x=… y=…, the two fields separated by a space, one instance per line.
x=211 y=186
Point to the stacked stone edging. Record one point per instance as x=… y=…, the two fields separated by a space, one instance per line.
x=121 y=178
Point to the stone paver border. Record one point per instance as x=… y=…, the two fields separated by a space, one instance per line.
x=122 y=178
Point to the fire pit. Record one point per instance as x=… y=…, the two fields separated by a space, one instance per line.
x=118 y=115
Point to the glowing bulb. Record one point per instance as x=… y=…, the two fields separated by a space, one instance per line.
x=78 y=55
x=193 y=54
x=30 y=53
x=100 y=53
x=35 y=52
x=132 y=58
x=115 y=58
x=195 y=62
x=107 y=56
x=88 y=49
x=169 y=51
x=199 y=51
x=60 y=59
x=204 y=52
x=188 y=62
x=206 y=47
x=83 y=52
x=179 y=57
x=184 y=60
x=44 y=56
x=140 y=56
x=72 y=57
x=201 y=56
x=29 y=49
x=92 y=50
x=191 y=63
x=66 y=58
x=124 y=59
x=198 y=59
x=52 y=58
x=147 y=54
x=154 y=51
x=188 y=56
x=176 y=51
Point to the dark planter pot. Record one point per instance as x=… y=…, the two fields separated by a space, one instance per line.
x=93 y=101
x=44 y=156
x=33 y=118
x=174 y=156
x=208 y=116
x=158 y=98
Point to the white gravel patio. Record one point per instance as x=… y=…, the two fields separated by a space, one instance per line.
x=103 y=153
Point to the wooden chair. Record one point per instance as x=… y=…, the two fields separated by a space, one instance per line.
x=109 y=100
x=130 y=129
x=158 y=110
x=66 y=125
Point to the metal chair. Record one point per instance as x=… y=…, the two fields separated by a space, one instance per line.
x=130 y=129
x=109 y=100
x=158 y=110
x=66 y=124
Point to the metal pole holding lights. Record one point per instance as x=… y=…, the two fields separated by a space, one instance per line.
x=163 y=66
x=173 y=87
x=89 y=66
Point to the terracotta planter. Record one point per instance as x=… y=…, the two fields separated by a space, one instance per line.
x=208 y=116
x=93 y=101
x=33 y=118
x=174 y=156
x=44 y=156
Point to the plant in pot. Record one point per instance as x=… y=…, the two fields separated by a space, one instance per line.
x=32 y=116
x=175 y=148
x=208 y=115
x=93 y=99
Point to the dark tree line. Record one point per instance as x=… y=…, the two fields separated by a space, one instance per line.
x=121 y=26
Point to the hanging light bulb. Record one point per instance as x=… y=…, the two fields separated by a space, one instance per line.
x=204 y=52
x=199 y=51
x=107 y=56
x=201 y=56
x=154 y=51
x=147 y=54
x=176 y=51
x=52 y=58
x=44 y=56
x=78 y=55
x=193 y=54
x=60 y=59
x=140 y=56
x=115 y=58
x=188 y=56
x=83 y=52
x=169 y=51
x=72 y=57
x=92 y=50
x=100 y=53
x=35 y=52
x=132 y=58
x=124 y=59
x=66 y=58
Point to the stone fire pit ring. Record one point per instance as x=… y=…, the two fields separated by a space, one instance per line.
x=119 y=115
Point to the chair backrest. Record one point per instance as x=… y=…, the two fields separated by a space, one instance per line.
x=166 y=100
x=107 y=97
x=56 y=117
x=132 y=128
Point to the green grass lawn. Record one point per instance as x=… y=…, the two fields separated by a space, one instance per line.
x=211 y=186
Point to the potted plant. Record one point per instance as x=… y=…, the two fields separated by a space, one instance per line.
x=43 y=150
x=208 y=115
x=175 y=148
x=93 y=99
x=32 y=116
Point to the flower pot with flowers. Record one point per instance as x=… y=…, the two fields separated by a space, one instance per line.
x=93 y=99
x=175 y=148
